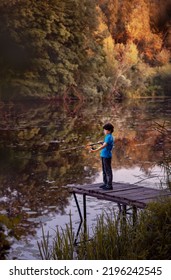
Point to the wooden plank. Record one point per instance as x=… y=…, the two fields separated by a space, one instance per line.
x=140 y=191
x=116 y=187
x=144 y=199
x=106 y=196
x=131 y=185
x=125 y=188
x=99 y=184
x=144 y=195
x=122 y=200
x=128 y=194
x=97 y=189
x=156 y=197
x=138 y=196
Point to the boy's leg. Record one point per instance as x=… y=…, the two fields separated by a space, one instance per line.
x=104 y=172
x=108 y=172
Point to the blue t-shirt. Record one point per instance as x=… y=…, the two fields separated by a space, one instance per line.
x=107 y=151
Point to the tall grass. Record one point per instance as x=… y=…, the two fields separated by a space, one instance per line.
x=165 y=163
x=117 y=238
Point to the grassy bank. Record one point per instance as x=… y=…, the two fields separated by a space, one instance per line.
x=113 y=238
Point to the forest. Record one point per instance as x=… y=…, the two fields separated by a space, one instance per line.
x=65 y=52
x=84 y=49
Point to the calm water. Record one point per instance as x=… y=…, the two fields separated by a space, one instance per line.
x=36 y=162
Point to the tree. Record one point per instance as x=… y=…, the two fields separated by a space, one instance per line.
x=48 y=46
x=126 y=59
x=139 y=31
x=142 y=22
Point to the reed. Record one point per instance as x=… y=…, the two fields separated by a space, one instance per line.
x=116 y=238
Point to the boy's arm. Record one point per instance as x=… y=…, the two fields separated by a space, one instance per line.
x=100 y=148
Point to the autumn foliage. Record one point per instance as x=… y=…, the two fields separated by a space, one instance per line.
x=98 y=48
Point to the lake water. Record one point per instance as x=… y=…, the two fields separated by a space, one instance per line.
x=37 y=160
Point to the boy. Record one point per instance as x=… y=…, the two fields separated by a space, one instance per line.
x=106 y=156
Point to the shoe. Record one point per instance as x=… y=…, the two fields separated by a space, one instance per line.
x=102 y=186
x=107 y=188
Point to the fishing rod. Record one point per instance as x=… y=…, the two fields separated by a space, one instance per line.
x=81 y=147
x=65 y=150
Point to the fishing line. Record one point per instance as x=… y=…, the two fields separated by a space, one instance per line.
x=63 y=150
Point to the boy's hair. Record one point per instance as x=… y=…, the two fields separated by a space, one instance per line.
x=109 y=126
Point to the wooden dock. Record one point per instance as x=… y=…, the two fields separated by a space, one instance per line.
x=124 y=194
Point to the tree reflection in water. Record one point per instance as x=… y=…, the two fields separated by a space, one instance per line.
x=34 y=169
